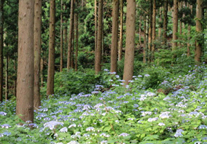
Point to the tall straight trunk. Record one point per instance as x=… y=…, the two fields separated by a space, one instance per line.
x=51 y=60
x=6 y=78
x=95 y=15
x=72 y=46
x=61 y=37
x=25 y=72
x=76 y=40
x=140 y=30
x=188 y=44
x=150 y=31
x=99 y=38
x=160 y=20
x=130 y=37
x=180 y=22
x=70 y=35
x=65 y=34
x=15 y=80
x=41 y=72
x=189 y=35
x=199 y=30
x=121 y=31
x=1 y=49
x=153 y=29
x=37 y=51
x=114 y=40
x=145 y=39
x=175 y=24
x=165 y=21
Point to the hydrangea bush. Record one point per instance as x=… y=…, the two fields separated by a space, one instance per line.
x=120 y=115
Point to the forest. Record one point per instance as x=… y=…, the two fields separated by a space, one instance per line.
x=103 y=72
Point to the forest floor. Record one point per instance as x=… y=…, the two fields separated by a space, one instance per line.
x=174 y=113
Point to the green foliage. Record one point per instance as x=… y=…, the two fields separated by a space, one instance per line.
x=71 y=82
x=119 y=115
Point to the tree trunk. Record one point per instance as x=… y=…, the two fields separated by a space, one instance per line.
x=65 y=40
x=189 y=35
x=70 y=35
x=150 y=32
x=199 y=30
x=165 y=21
x=99 y=38
x=153 y=29
x=95 y=7
x=1 y=49
x=25 y=72
x=37 y=51
x=114 y=42
x=188 y=44
x=41 y=71
x=6 y=79
x=76 y=40
x=61 y=37
x=160 y=20
x=121 y=31
x=175 y=24
x=51 y=60
x=130 y=37
x=140 y=30
x=145 y=39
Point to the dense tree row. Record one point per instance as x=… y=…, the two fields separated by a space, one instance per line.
x=75 y=34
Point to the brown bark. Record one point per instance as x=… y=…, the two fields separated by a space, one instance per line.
x=130 y=37
x=160 y=20
x=150 y=32
x=76 y=40
x=95 y=15
x=145 y=40
x=114 y=40
x=51 y=60
x=188 y=44
x=199 y=30
x=41 y=72
x=37 y=51
x=140 y=30
x=65 y=40
x=121 y=31
x=165 y=21
x=189 y=35
x=61 y=37
x=99 y=38
x=70 y=41
x=6 y=78
x=175 y=24
x=153 y=29
x=1 y=49
x=25 y=72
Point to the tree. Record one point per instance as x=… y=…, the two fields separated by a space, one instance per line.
x=199 y=30
x=130 y=37
x=1 y=49
x=99 y=38
x=51 y=60
x=175 y=23
x=70 y=35
x=95 y=15
x=76 y=38
x=153 y=28
x=165 y=21
x=121 y=31
x=61 y=37
x=37 y=51
x=114 y=40
x=25 y=72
